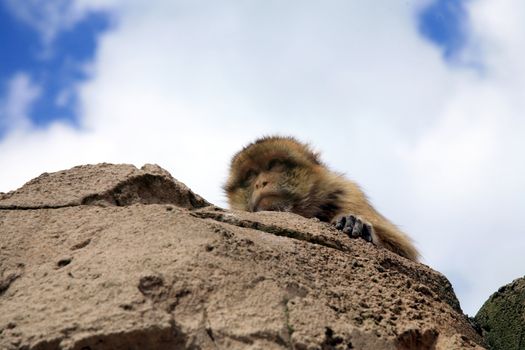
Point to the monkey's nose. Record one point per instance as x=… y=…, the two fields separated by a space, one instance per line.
x=261 y=184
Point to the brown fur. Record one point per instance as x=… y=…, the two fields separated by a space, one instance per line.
x=280 y=173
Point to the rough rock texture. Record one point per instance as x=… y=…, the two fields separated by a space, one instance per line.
x=502 y=317
x=102 y=184
x=112 y=257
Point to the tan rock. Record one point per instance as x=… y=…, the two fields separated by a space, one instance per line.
x=102 y=184
x=113 y=257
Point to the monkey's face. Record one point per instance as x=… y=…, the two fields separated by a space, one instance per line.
x=272 y=174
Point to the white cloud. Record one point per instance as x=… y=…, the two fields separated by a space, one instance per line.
x=185 y=84
x=16 y=105
x=466 y=174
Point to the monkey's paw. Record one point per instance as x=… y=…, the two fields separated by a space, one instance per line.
x=355 y=227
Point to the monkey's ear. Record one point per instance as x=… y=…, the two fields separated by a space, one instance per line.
x=229 y=187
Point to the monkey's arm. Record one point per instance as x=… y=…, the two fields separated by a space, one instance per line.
x=393 y=239
x=358 y=218
x=355 y=227
x=381 y=232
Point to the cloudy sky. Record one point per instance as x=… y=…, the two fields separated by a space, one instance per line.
x=419 y=101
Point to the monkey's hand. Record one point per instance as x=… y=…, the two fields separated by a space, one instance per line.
x=355 y=227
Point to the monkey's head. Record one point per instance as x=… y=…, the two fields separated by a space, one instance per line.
x=275 y=173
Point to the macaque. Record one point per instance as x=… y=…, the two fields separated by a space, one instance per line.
x=282 y=174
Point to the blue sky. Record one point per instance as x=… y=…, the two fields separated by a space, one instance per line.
x=55 y=69
x=60 y=69
x=443 y=22
x=385 y=90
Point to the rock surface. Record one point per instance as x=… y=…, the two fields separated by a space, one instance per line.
x=102 y=184
x=113 y=257
x=502 y=317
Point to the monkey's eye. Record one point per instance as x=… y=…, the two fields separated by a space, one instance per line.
x=276 y=165
x=248 y=177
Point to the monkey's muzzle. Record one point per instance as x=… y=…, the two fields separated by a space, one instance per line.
x=270 y=201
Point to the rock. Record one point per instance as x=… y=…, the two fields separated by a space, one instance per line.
x=502 y=317
x=113 y=257
x=102 y=184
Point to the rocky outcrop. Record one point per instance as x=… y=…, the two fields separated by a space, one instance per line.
x=103 y=185
x=502 y=317
x=114 y=257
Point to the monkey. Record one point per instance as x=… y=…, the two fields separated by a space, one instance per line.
x=279 y=173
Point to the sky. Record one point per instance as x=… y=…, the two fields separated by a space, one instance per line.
x=419 y=101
